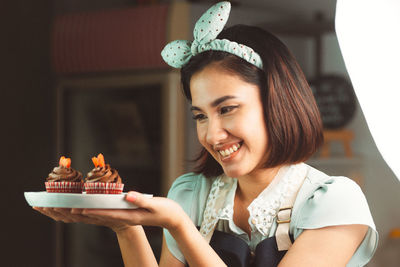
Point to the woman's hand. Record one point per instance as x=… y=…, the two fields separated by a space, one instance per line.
x=67 y=215
x=156 y=211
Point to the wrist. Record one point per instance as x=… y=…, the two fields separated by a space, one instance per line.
x=179 y=225
x=122 y=230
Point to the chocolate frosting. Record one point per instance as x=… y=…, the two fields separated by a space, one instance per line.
x=61 y=173
x=103 y=174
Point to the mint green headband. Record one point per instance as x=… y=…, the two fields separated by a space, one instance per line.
x=211 y=23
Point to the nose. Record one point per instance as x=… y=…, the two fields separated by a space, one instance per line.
x=216 y=133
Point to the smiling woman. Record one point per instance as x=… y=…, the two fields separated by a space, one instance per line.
x=257 y=123
x=251 y=201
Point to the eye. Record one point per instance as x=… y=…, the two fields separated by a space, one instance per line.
x=199 y=117
x=227 y=109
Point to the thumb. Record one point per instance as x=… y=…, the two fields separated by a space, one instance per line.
x=138 y=199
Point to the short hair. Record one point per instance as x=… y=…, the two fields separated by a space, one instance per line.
x=292 y=119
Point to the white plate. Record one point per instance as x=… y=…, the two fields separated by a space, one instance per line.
x=69 y=200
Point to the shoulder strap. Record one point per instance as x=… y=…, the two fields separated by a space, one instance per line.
x=285 y=211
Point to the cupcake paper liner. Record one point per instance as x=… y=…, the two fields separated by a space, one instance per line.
x=103 y=188
x=64 y=187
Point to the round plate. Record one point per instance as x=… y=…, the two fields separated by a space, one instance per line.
x=69 y=200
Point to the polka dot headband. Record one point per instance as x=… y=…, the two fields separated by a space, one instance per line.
x=211 y=23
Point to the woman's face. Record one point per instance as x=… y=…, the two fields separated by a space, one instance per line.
x=230 y=120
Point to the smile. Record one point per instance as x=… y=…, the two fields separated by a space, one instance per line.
x=228 y=151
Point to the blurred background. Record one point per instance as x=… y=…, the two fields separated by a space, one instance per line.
x=86 y=77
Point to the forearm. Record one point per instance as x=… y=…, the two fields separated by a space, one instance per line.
x=194 y=247
x=135 y=248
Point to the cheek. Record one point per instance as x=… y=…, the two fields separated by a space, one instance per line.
x=201 y=134
x=254 y=129
x=261 y=137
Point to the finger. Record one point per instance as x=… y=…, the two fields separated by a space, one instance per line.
x=39 y=209
x=50 y=212
x=106 y=213
x=42 y=211
x=78 y=218
x=64 y=215
x=75 y=216
x=47 y=212
x=70 y=216
x=76 y=211
x=64 y=211
x=139 y=200
x=131 y=217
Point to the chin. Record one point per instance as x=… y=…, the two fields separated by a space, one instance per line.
x=230 y=172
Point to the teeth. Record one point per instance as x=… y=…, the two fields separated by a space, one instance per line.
x=229 y=151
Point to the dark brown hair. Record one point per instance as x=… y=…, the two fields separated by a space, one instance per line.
x=292 y=118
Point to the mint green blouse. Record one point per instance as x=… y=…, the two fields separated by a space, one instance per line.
x=322 y=201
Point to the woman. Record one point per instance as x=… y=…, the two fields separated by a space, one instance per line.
x=257 y=121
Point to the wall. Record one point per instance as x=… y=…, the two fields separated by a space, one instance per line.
x=27 y=130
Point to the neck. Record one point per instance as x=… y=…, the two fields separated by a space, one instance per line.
x=251 y=185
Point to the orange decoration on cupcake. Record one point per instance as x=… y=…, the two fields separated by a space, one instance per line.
x=99 y=161
x=65 y=162
x=95 y=162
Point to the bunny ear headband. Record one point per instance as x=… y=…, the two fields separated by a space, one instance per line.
x=211 y=23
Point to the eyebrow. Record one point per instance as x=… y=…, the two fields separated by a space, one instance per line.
x=216 y=102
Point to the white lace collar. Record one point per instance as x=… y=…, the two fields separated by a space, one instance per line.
x=262 y=210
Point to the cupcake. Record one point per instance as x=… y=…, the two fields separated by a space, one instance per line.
x=103 y=179
x=64 y=179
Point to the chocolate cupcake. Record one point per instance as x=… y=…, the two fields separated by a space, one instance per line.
x=64 y=179
x=103 y=179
